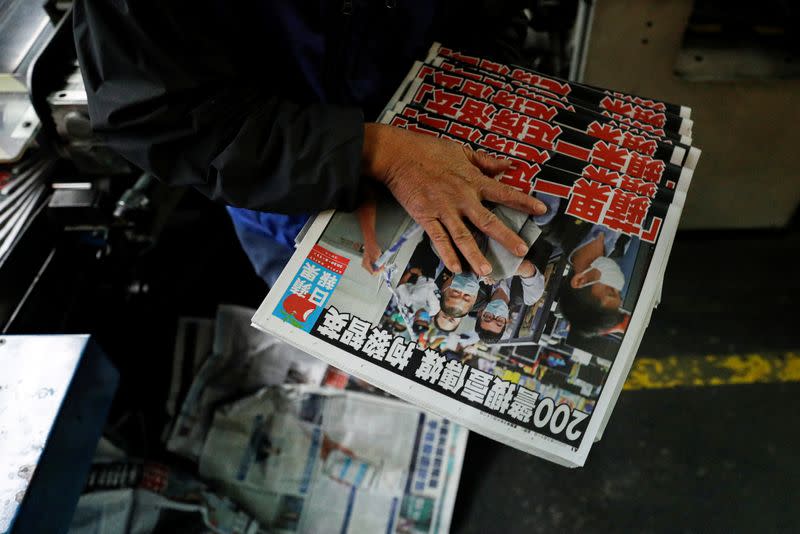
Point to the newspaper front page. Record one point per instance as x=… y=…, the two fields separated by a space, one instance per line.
x=535 y=354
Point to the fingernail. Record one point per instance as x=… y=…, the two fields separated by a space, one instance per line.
x=485 y=269
x=455 y=268
x=521 y=250
x=541 y=208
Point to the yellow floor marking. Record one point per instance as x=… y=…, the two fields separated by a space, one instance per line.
x=711 y=370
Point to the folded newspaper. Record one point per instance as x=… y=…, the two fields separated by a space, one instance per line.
x=535 y=355
x=299 y=445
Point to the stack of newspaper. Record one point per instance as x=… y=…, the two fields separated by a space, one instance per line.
x=300 y=446
x=21 y=186
x=535 y=354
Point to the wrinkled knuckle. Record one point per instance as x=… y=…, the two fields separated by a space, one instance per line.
x=463 y=182
x=465 y=202
x=487 y=220
x=488 y=187
x=438 y=236
x=504 y=192
x=508 y=196
x=425 y=206
x=462 y=236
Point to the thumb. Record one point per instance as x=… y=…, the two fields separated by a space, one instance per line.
x=488 y=165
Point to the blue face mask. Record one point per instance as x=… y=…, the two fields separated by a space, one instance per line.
x=466 y=283
x=498 y=308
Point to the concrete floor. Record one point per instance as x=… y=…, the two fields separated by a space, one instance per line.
x=721 y=459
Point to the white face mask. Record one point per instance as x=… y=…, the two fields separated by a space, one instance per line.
x=610 y=273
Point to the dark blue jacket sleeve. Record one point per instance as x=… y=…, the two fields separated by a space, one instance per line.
x=164 y=93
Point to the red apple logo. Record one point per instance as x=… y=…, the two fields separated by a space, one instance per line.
x=298 y=307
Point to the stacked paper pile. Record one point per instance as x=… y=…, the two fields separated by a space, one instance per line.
x=301 y=446
x=560 y=133
x=538 y=357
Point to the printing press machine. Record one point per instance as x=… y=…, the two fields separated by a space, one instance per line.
x=96 y=207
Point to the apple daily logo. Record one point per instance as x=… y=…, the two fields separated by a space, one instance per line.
x=298 y=307
x=311 y=288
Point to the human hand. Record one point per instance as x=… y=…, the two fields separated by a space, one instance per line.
x=366 y=214
x=412 y=271
x=372 y=253
x=440 y=183
x=526 y=269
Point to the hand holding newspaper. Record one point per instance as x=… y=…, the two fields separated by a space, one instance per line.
x=442 y=188
x=535 y=353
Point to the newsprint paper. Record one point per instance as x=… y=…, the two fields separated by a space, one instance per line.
x=535 y=354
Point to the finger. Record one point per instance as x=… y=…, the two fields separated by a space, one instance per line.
x=508 y=196
x=488 y=223
x=488 y=165
x=366 y=263
x=441 y=242
x=465 y=242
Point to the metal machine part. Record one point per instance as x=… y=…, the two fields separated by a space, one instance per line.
x=61 y=388
x=25 y=28
x=135 y=199
x=18 y=125
x=69 y=110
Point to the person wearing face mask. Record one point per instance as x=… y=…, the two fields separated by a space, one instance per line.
x=526 y=286
x=591 y=294
x=419 y=296
x=493 y=314
x=458 y=294
x=493 y=320
x=440 y=322
x=431 y=331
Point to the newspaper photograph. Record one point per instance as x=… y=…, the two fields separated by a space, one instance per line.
x=288 y=436
x=533 y=355
x=307 y=459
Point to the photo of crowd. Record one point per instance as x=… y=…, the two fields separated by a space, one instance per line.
x=551 y=322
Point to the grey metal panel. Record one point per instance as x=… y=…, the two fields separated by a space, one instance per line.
x=55 y=392
x=748 y=175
